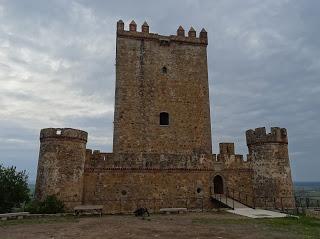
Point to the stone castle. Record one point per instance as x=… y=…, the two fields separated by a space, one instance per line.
x=162 y=149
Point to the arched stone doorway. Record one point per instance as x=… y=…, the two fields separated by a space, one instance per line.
x=218 y=184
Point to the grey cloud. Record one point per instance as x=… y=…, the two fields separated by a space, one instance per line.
x=57 y=69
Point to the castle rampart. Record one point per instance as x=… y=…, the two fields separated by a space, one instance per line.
x=152 y=161
x=162 y=149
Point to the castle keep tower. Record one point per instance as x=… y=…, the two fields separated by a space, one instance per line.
x=271 y=167
x=162 y=93
x=61 y=164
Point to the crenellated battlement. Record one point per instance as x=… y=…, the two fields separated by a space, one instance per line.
x=228 y=157
x=226 y=148
x=191 y=38
x=260 y=136
x=63 y=134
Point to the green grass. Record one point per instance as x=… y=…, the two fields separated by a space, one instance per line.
x=305 y=226
x=39 y=221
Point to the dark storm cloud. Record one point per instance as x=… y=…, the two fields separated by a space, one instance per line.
x=57 y=69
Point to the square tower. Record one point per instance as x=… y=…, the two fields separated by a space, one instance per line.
x=162 y=93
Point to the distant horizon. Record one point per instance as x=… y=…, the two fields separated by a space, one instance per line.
x=295 y=182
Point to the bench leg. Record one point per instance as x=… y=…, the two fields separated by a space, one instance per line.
x=4 y=219
x=77 y=213
x=20 y=217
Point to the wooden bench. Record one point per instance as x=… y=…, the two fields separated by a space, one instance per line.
x=14 y=215
x=173 y=210
x=88 y=209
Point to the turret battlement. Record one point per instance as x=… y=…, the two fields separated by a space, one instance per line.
x=191 y=37
x=63 y=134
x=227 y=153
x=260 y=136
x=226 y=148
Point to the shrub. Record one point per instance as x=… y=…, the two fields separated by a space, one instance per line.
x=50 y=205
x=33 y=207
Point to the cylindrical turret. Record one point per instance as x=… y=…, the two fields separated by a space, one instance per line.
x=270 y=163
x=61 y=165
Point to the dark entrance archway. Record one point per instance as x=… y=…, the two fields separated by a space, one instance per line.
x=218 y=184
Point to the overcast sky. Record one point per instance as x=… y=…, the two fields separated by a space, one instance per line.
x=57 y=69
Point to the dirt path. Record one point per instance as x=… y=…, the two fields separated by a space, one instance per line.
x=192 y=225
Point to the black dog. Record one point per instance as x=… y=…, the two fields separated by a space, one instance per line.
x=140 y=212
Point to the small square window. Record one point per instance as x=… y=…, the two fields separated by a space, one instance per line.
x=164 y=70
x=164 y=118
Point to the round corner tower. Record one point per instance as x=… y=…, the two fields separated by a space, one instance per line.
x=61 y=164
x=269 y=156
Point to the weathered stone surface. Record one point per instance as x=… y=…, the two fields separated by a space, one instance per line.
x=158 y=166
x=128 y=189
x=61 y=164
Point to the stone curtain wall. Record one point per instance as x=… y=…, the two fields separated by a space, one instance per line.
x=125 y=190
x=96 y=159
x=163 y=180
x=239 y=183
x=236 y=172
x=157 y=74
x=121 y=182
